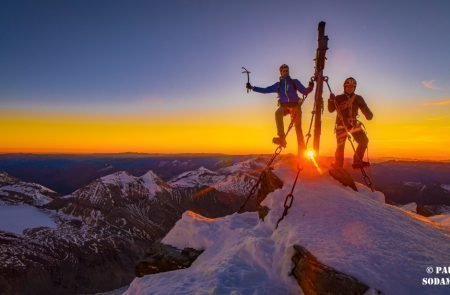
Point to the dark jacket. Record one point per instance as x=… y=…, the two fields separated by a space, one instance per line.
x=348 y=106
x=287 y=90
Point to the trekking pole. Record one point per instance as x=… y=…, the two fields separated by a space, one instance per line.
x=248 y=76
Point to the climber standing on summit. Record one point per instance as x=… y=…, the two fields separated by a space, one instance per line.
x=289 y=103
x=347 y=105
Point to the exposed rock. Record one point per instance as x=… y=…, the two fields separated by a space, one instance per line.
x=162 y=258
x=438 y=209
x=269 y=183
x=315 y=277
x=424 y=211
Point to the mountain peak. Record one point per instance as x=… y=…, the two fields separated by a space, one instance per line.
x=15 y=191
x=245 y=166
x=119 y=177
x=205 y=170
x=199 y=177
x=6 y=178
x=153 y=183
x=383 y=246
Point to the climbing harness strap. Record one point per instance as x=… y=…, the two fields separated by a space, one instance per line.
x=366 y=177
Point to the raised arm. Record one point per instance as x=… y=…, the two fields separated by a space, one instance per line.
x=270 y=89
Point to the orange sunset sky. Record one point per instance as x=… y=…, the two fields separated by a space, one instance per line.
x=96 y=79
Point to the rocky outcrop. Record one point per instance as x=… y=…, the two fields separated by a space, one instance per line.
x=162 y=258
x=422 y=210
x=437 y=209
x=269 y=183
x=315 y=277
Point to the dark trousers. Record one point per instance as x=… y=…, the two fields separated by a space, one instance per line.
x=341 y=137
x=296 y=115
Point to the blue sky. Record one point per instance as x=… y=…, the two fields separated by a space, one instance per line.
x=102 y=54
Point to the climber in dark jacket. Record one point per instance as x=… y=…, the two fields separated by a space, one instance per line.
x=289 y=103
x=348 y=105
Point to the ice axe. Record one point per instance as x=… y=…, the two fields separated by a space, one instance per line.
x=248 y=76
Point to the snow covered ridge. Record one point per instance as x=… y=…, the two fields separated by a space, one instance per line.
x=5 y=178
x=199 y=177
x=149 y=180
x=14 y=191
x=446 y=187
x=441 y=213
x=99 y=191
x=356 y=233
x=236 y=179
x=117 y=191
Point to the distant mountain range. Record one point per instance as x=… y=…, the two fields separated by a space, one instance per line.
x=89 y=238
x=101 y=230
x=404 y=182
x=67 y=173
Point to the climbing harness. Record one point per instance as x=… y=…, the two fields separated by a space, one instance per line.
x=248 y=76
x=366 y=177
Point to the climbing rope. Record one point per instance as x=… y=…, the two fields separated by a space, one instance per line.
x=269 y=163
x=290 y=197
x=366 y=177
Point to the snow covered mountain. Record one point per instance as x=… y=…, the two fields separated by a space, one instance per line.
x=96 y=235
x=236 y=179
x=384 y=248
x=119 y=199
x=14 y=191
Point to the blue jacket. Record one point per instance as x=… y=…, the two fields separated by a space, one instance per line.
x=287 y=93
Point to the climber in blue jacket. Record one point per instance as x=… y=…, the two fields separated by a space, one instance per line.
x=289 y=103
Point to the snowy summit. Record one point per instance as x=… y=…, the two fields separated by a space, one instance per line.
x=385 y=247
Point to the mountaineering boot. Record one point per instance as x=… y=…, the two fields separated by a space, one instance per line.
x=281 y=141
x=360 y=164
x=341 y=175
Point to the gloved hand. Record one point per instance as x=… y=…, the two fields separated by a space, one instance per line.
x=311 y=84
x=331 y=99
x=249 y=86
